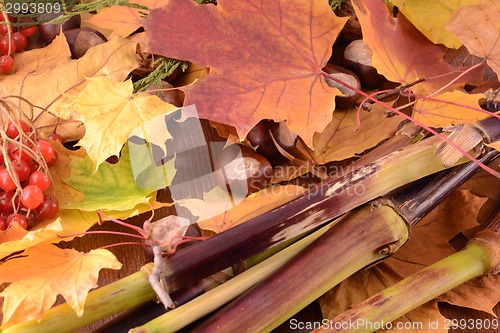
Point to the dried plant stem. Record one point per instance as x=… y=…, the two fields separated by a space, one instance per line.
x=318 y=206
x=377 y=231
x=362 y=237
x=480 y=257
x=204 y=304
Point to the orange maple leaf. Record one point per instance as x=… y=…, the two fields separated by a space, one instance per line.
x=122 y=20
x=478 y=28
x=265 y=59
x=43 y=272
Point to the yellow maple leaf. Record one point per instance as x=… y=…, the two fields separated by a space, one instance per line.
x=340 y=140
x=17 y=239
x=45 y=272
x=43 y=75
x=110 y=112
x=431 y=17
x=443 y=110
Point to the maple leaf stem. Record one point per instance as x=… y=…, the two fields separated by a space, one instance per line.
x=470 y=69
x=437 y=134
x=123 y=243
x=139 y=230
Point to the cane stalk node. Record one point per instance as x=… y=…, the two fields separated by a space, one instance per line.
x=489 y=238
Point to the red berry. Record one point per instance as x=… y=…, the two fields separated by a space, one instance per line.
x=27 y=30
x=4 y=46
x=46 y=150
x=49 y=207
x=53 y=160
x=31 y=196
x=40 y=179
x=6 y=63
x=17 y=154
x=12 y=130
x=22 y=168
x=55 y=136
x=19 y=219
x=12 y=19
x=6 y=182
x=3 y=224
x=20 y=41
x=6 y=203
x=4 y=30
x=33 y=165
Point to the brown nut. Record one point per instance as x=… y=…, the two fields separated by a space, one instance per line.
x=49 y=31
x=242 y=171
x=358 y=58
x=260 y=138
x=82 y=39
x=349 y=96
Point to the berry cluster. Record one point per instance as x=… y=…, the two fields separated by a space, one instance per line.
x=24 y=176
x=13 y=40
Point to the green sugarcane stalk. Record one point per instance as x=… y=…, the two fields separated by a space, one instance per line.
x=215 y=298
x=362 y=237
x=100 y=303
x=309 y=276
x=319 y=205
x=480 y=257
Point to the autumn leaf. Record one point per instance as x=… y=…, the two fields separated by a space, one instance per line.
x=123 y=20
x=431 y=18
x=407 y=56
x=448 y=109
x=112 y=187
x=110 y=111
x=43 y=75
x=17 y=239
x=45 y=271
x=478 y=28
x=341 y=140
x=265 y=59
x=428 y=244
x=218 y=211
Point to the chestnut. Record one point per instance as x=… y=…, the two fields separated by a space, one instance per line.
x=242 y=171
x=358 y=58
x=289 y=142
x=49 y=31
x=260 y=138
x=349 y=96
x=82 y=39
